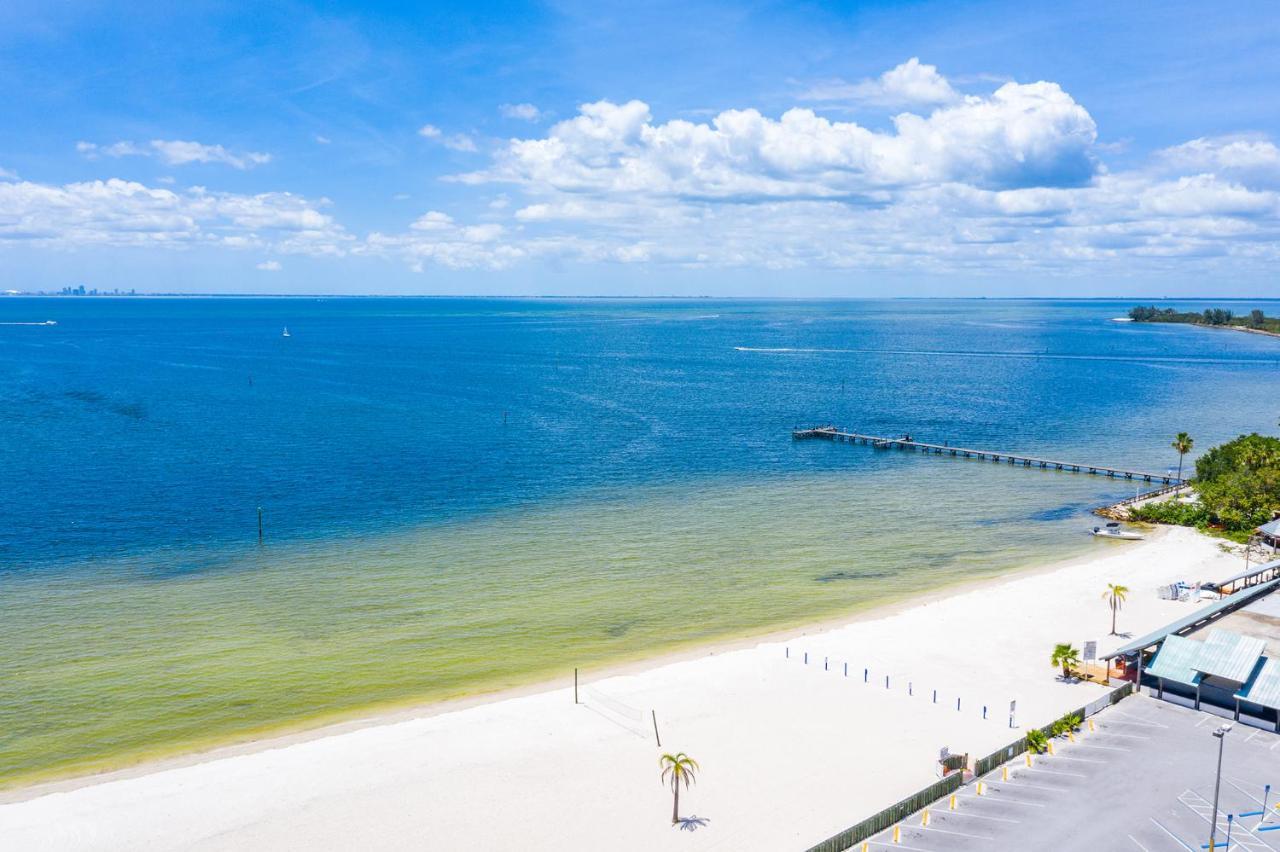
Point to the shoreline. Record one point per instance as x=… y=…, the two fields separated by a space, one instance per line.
x=310 y=729
x=775 y=733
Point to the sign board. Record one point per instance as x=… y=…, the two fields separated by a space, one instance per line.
x=1090 y=651
x=1013 y=713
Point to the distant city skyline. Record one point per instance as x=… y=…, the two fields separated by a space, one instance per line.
x=699 y=149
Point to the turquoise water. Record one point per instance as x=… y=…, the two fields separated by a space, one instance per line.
x=461 y=495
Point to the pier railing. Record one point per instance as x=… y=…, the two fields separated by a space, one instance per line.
x=833 y=433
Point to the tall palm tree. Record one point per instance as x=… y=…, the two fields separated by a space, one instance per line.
x=1115 y=595
x=677 y=769
x=1066 y=656
x=1182 y=442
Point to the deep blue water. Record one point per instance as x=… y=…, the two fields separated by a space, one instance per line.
x=141 y=425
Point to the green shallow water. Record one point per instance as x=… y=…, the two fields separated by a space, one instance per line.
x=465 y=495
x=114 y=667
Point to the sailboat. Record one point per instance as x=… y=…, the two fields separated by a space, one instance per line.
x=286 y=332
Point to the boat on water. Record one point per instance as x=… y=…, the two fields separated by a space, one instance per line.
x=1113 y=530
x=286 y=332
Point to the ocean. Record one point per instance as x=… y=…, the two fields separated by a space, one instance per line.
x=461 y=495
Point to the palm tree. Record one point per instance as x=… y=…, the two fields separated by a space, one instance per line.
x=1066 y=656
x=1182 y=442
x=676 y=769
x=1115 y=595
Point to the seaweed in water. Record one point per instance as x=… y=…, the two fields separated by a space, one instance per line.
x=620 y=629
x=846 y=575
x=132 y=410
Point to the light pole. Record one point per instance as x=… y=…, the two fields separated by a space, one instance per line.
x=1221 y=734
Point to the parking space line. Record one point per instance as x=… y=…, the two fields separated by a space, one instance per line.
x=977 y=816
x=1051 y=772
x=1079 y=759
x=956 y=833
x=1127 y=736
x=1028 y=786
x=1136 y=843
x=1104 y=748
x=1171 y=834
x=896 y=845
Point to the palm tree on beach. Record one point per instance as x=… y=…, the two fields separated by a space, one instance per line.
x=1182 y=442
x=1066 y=656
x=677 y=769
x=1115 y=595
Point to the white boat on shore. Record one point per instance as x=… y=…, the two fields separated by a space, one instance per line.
x=1113 y=530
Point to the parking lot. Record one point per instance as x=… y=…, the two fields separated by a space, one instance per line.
x=1143 y=779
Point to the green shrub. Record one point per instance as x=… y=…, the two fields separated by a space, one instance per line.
x=1037 y=742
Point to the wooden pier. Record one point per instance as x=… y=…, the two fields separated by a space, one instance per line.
x=833 y=433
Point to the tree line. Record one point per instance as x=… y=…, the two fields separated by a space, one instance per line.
x=1255 y=319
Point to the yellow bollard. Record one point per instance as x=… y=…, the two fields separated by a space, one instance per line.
x=1071 y=736
x=982 y=788
x=1091 y=728
x=924 y=820
x=1050 y=748
x=1004 y=772
x=897 y=833
x=866 y=846
x=953 y=802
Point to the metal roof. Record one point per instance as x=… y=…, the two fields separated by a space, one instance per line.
x=1176 y=660
x=1271 y=528
x=1229 y=655
x=1264 y=687
x=1230 y=602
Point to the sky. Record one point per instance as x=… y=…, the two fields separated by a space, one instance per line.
x=662 y=148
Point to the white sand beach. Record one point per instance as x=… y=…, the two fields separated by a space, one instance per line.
x=790 y=753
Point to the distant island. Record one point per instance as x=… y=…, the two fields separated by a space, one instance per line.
x=1256 y=321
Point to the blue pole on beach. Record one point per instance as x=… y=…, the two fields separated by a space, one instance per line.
x=806 y=658
x=824 y=664
x=886 y=681
x=846 y=669
x=866 y=673
x=984 y=711
x=910 y=688
x=957 y=704
x=935 y=696
x=788 y=652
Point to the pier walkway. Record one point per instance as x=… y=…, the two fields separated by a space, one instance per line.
x=833 y=433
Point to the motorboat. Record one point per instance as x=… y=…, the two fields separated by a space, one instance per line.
x=1113 y=530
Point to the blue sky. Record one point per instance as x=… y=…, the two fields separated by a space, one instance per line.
x=676 y=148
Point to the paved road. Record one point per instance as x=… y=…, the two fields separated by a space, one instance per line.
x=1142 y=781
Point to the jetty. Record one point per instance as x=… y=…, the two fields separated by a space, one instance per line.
x=834 y=433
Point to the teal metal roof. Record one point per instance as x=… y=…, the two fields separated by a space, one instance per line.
x=1264 y=687
x=1176 y=661
x=1229 y=655
x=1271 y=528
x=1230 y=602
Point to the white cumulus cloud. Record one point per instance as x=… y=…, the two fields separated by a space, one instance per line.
x=270 y=266
x=523 y=112
x=910 y=84
x=454 y=141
